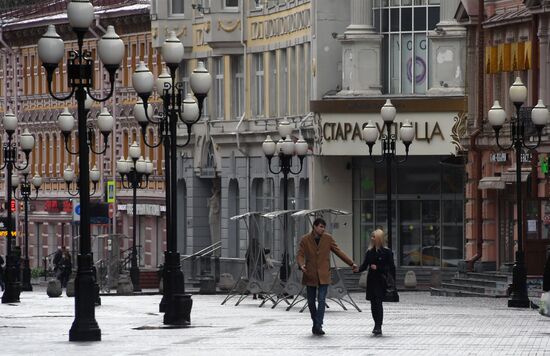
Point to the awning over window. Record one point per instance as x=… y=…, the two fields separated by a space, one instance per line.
x=510 y=176
x=491 y=183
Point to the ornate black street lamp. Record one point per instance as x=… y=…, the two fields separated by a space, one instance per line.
x=135 y=171
x=497 y=117
x=10 y=152
x=25 y=196
x=175 y=303
x=388 y=155
x=80 y=75
x=285 y=149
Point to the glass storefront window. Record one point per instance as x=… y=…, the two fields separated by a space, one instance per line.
x=427 y=210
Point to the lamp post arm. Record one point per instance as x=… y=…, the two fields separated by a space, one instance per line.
x=269 y=165
x=20 y=168
x=539 y=139
x=189 y=126
x=60 y=98
x=70 y=192
x=91 y=141
x=502 y=147
x=150 y=145
x=301 y=158
x=108 y=96
x=67 y=148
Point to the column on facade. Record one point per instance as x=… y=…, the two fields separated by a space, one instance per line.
x=544 y=85
x=447 y=53
x=361 y=53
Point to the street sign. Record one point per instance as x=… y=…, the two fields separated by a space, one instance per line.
x=76 y=210
x=110 y=191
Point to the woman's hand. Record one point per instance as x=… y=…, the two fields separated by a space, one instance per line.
x=373 y=267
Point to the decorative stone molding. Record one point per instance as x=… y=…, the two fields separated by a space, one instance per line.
x=230 y=26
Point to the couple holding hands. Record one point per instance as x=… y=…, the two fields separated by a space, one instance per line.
x=314 y=260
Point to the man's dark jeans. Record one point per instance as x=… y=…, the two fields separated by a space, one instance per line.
x=317 y=312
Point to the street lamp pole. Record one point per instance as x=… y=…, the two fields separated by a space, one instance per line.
x=25 y=192
x=80 y=75
x=136 y=172
x=388 y=155
x=175 y=303
x=10 y=152
x=539 y=116
x=285 y=149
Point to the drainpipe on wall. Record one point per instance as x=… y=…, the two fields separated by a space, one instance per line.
x=478 y=124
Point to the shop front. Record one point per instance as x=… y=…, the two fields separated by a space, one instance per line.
x=427 y=190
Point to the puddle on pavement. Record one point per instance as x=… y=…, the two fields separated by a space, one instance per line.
x=12 y=327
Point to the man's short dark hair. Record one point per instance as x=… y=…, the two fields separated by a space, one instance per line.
x=319 y=221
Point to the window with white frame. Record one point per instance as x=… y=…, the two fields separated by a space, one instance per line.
x=405 y=25
x=283 y=84
x=237 y=93
x=259 y=84
x=176 y=7
x=218 y=87
x=272 y=84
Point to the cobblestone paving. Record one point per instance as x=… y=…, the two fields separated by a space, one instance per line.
x=418 y=325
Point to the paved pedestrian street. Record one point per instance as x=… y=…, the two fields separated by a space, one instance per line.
x=419 y=325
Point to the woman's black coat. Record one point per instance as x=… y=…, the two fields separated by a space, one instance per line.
x=376 y=283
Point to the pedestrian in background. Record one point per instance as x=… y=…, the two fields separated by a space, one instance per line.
x=66 y=268
x=314 y=260
x=2 y=286
x=379 y=262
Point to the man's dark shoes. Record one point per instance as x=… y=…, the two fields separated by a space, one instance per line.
x=377 y=331
x=317 y=331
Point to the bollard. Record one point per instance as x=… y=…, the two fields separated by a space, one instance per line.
x=54 y=289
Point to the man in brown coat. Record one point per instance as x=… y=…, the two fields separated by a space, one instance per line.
x=314 y=261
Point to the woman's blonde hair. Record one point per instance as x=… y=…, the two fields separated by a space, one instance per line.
x=380 y=234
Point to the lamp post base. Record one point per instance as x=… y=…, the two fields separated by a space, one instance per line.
x=519 y=297
x=175 y=303
x=26 y=285
x=134 y=276
x=13 y=287
x=85 y=326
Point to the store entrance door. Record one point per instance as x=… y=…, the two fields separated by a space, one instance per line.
x=506 y=243
x=420 y=232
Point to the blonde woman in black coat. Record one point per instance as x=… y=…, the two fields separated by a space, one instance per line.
x=379 y=261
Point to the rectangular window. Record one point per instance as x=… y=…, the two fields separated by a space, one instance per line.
x=405 y=26
x=231 y=3
x=273 y=105
x=283 y=84
x=177 y=7
x=237 y=100
x=218 y=87
x=259 y=84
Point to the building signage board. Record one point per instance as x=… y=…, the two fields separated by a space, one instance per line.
x=141 y=209
x=499 y=157
x=435 y=134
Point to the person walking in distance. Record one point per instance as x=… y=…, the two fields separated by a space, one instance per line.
x=379 y=262
x=314 y=260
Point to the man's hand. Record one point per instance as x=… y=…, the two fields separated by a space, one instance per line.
x=373 y=267
x=354 y=268
x=303 y=268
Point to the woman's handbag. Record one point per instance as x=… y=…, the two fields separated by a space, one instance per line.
x=391 y=289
